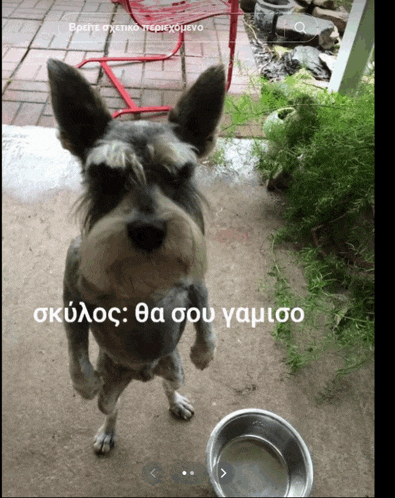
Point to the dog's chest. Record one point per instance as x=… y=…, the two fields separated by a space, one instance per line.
x=141 y=332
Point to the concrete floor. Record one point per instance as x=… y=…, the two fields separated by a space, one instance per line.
x=48 y=428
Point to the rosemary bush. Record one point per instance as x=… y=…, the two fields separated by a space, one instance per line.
x=328 y=149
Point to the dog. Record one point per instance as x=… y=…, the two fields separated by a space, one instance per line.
x=141 y=256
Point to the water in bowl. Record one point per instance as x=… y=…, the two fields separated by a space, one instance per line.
x=259 y=470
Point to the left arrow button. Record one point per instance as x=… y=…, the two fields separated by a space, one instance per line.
x=153 y=473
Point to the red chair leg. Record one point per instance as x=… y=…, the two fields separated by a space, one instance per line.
x=132 y=108
x=149 y=58
x=232 y=43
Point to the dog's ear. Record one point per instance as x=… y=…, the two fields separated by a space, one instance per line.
x=81 y=114
x=199 y=110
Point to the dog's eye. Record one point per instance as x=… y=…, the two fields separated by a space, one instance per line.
x=105 y=178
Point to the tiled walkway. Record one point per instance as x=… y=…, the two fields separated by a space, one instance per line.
x=35 y=30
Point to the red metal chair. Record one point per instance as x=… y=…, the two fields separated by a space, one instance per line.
x=151 y=14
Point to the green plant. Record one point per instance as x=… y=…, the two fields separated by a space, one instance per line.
x=339 y=323
x=217 y=157
x=328 y=150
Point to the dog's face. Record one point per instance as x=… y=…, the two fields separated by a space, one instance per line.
x=144 y=230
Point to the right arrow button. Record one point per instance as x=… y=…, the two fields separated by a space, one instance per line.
x=225 y=472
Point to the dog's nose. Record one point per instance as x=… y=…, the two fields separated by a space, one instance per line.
x=147 y=235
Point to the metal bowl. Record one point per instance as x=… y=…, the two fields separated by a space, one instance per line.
x=254 y=452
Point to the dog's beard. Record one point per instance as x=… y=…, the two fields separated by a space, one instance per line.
x=111 y=264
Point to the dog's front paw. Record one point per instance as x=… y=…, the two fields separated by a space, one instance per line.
x=103 y=441
x=202 y=354
x=181 y=407
x=87 y=385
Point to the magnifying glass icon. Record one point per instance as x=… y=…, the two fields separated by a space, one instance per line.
x=302 y=30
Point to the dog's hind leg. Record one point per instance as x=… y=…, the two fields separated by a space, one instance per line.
x=115 y=379
x=104 y=439
x=170 y=369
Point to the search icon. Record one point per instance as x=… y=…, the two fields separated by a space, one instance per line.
x=300 y=30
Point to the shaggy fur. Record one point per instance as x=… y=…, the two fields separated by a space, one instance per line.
x=142 y=239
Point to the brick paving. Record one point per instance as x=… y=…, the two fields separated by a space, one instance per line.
x=35 y=30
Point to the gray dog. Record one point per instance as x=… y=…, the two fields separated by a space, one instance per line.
x=142 y=251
